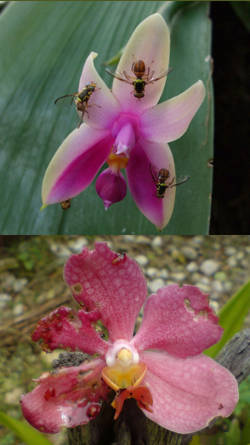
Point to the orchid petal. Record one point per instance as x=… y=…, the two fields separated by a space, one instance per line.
x=75 y=164
x=64 y=329
x=188 y=394
x=102 y=105
x=169 y=120
x=149 y=42
x=146 y=160
x=113 y=285
x=179 y=321
x=69 y=397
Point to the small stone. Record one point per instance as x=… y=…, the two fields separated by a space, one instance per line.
x=192 y=267
x=217 y=286
x=239 y=256
x=163 y=273
x=228 y=286
x=18 y=309
x=189 y=253
x=196 y=277
x=214 y=305
x=209 y=267
x=198 y=240
x=204 y=287
x=156 y=284
x=205 y=280
x=141 y=239
x=13 y=396
x=178 y=256
x=142 y=260
x=4 y=300
x=157 y=242
x=230 y=251
x=151 y=272
x=244 y=263
x=232 y=262
x=77 y=244
x=60 y=250
x=178 y=276
x=221 y=276
x=19 y=284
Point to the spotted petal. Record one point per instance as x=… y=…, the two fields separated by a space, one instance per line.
x=178 y=320
x=112 y=284
x=75 y=164
x=169 y=120
x=70 y=397
x=145 y=162
x=64 y=329
x=149 y=42
x=188 y=393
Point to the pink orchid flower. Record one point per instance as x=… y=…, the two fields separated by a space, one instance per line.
x=126 y=131
x=162 y=367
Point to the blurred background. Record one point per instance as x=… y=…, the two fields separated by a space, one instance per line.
x=31 y=286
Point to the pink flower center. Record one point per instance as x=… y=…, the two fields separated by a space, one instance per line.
x=125 y=130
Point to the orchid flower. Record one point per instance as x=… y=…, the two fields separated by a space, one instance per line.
x=126 y=131
x=162 y=367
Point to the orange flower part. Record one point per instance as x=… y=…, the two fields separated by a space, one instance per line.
x=141 y=394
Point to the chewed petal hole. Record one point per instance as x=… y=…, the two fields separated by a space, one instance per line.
x=141 y=394
x=120 y=377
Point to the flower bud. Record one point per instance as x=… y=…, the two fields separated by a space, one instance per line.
x=111 y=187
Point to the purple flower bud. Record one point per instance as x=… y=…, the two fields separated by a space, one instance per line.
x=111 y=187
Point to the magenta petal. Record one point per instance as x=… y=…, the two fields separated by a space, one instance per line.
x=67 y=398
x=111 y=187
x=113 y=285
x=188 y=393
x=147 y=157
x=64 y=329
x=179 y=321
x=75 y=164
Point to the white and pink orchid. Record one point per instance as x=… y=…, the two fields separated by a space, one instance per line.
x=161 y=366
x=126 y=132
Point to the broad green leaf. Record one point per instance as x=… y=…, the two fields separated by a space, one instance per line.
x=25 y=432
x=46 y=44
x=232 y=316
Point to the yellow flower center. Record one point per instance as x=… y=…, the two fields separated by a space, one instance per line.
x=124 y=373
x=116 y=162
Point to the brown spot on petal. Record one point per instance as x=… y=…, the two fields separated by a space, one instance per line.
x=93 y=411
x=188 y=306
x=77 y=288
x=119 y=258
x=220 y=406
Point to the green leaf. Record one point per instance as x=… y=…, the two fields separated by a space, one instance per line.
x=47 y=44
x=232 y=316
x=25 y=432
x=242 y=9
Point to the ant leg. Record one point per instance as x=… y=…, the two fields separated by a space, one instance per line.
x=129 y=79
x=171 y=183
